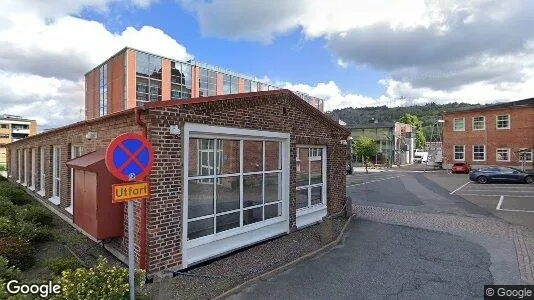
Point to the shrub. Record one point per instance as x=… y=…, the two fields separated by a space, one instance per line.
x=102 y=281
x=18 y=252
x=8 y=271
x=8 y=227
x=58 y=265
x=24 y=230
x=37 y=215
x=7 y=209
x=15 y=194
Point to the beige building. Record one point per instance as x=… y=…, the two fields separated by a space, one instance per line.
x=13 y=128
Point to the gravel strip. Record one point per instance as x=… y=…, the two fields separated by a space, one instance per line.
x=479 y=225
x=212 y=279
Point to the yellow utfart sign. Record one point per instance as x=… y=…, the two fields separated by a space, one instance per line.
x=130 y=191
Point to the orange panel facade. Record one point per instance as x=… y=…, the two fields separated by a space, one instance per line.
x=130 y=85
x=91 y=81
x=116 y=83
x=165 y=79
x=241 y=85
x=219 y=84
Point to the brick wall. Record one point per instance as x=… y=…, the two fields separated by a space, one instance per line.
x=302 y=121
x=277 y=111
x=520 y=135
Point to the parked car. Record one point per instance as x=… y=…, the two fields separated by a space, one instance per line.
x=460 y=168
x=502 y=174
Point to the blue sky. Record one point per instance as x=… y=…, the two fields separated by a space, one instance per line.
x=352 y=53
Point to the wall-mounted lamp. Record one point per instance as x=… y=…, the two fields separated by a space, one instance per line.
x=91 y=135
x=174 y=130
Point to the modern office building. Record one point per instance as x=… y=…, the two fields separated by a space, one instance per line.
x=500 y=134
x=13 y=128
x=132 y=77
x=395 y=141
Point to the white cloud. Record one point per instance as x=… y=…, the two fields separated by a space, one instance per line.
x=44 y=54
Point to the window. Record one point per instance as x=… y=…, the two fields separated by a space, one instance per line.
x=148 y=81
x=311 y=176
x=525 y=156
x=247 y=85
x=4 y=125
x=503 y=122
x=33 y=169
x=459 y=124
x=479 y=123
x=19 y=165
x=25 y=167
x=180 y=80
x=56 y=175
x=479 y=152
x=75 y=151
x=42 y=171
x=234 y=184
x=230 y=84
x=207 y=83
x=459 y=152
x=103 y=91
x=503 y=154
x=253 y=86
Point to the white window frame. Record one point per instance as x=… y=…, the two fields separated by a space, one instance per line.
x=473 y=153
x=529 y=160
x=313 y=213
x=501 y=149
x=454 y=152
x=42 y=175
x=34 y=168
x=70 y=208
x=483 y=123
x=25 y=167
x=206 y=247
x=497 y=122
x=454 y=124
x=19 y=165
x=56 y=175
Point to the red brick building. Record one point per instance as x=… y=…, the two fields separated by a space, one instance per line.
x=243 y=168
x=132 y=77
x=500 y=134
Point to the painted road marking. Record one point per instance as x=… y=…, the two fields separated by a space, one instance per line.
x=459 y=188
x=372 y=181
x=504 y=209
x=482 y=195
x=491 y=190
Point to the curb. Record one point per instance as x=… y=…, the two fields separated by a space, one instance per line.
x=263 y=276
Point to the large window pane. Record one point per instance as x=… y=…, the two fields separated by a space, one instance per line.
x=227 y=193
x=252 y=215
x=200 y=228
x=228 y=221
x=302 y=198
x=316 y=195
x=141 y=64
x=229 y=154
x=200 y=195
x=316 y=171
x=272 y=156
x=273 y=210
x=302 y=167
x=202 y=157
x=252 y=156
x=273 y=184
x=252 y=190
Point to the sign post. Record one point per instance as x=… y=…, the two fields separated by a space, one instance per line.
x=129 y=157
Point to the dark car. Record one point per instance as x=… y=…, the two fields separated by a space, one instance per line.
x=502 y=174
x=461 y=168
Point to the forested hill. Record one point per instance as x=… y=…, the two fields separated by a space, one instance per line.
x=428 y=113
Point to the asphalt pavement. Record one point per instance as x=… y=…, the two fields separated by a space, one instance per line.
x=381 y=261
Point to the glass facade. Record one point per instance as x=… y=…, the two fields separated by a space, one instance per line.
x=103 y=90
x=148 y=81
x=207 y=83
x=310 y=177
x=230 y=84
x=180 y=80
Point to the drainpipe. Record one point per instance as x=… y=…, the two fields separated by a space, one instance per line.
x=142 y=236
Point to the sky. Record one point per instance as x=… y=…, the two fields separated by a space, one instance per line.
x=352 y=53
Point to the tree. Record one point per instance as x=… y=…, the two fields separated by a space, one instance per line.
x=419 y=130
x=365 y=147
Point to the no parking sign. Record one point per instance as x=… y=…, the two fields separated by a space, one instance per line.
x=129 y=157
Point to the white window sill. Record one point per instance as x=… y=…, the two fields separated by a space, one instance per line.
x=55 y=200
x=311 y=215
x=41 y=193
x=18 y=181
x=23 y=184
x=310 y=209
x=32 y=188
x=69 y=209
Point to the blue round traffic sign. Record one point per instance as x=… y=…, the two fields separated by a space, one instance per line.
x=129 y=157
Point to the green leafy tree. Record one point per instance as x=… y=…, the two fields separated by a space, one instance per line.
x=365 y=147
x=419 y=130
